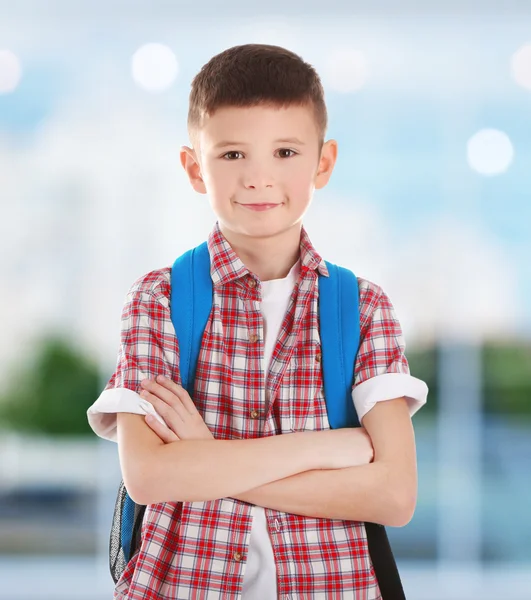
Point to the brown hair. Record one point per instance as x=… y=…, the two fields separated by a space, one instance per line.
x=253 y=75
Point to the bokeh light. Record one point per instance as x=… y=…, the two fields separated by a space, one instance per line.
x=10 y=71
x=521 y=66
x=154 y=67
x=490 y=152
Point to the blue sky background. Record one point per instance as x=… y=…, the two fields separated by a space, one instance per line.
x=81 y=145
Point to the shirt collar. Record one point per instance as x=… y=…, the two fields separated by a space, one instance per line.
x=226 y=265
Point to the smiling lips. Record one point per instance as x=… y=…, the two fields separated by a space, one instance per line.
x=259 y=206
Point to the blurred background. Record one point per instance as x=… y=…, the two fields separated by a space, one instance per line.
x=430 y=198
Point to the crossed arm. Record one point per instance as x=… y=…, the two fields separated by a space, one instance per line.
x=383 y=491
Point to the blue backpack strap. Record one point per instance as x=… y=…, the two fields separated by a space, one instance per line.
x=190 y=306
x=339 y=328
x=340 y=336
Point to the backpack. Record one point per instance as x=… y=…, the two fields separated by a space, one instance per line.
x=190 y=306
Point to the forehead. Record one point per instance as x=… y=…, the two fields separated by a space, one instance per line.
x=267 y=122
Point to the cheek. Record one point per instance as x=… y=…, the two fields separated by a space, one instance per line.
x=217 y=178
x=300 y=181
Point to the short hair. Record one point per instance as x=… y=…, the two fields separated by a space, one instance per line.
x=256 y=75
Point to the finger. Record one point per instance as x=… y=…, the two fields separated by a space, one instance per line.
x=164 y=433
x=170 y=396
x=170 y=416
x=187 y=401
x=177 y=390
x=180 y=392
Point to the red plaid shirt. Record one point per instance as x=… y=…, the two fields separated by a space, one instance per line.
x=198 y=549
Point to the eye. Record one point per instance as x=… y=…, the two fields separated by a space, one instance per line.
x=287 y=150
x=230 y=152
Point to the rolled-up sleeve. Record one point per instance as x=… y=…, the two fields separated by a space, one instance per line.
x=148 y=347
x=382 y=370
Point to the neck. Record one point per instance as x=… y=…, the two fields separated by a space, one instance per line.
x=269 y=257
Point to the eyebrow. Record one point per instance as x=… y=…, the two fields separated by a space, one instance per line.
x=293 y=140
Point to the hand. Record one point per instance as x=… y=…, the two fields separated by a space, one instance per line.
x=173 y=403
x=345 y=447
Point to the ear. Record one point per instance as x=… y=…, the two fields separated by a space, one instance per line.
x=326 y=163
x=193 y=169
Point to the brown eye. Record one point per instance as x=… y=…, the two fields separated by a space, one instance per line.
x=231 y=152
x=286 y=150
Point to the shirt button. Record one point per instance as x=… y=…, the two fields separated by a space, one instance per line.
x=253 y=338
x=254 y=414
x=277 y=525
x=237 y=556
x=251 y=283
x=318 y=357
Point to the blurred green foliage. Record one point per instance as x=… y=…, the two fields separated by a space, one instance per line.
x=506 y=376
x=51 y=392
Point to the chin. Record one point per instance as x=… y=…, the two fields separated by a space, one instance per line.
x=269 y=229
x=259 y=227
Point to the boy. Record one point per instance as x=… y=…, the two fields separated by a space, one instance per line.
x=249 y=492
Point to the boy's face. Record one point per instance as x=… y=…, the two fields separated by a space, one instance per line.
x=259 y=155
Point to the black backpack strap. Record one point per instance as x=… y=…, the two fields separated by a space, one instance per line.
x=384 y=563
x=140 y=509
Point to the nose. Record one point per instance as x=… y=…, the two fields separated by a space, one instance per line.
x=257 y=178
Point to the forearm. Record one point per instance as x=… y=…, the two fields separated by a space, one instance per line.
x=201 y=470
x=363 y=493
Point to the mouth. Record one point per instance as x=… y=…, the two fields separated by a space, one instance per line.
x=262 y=206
